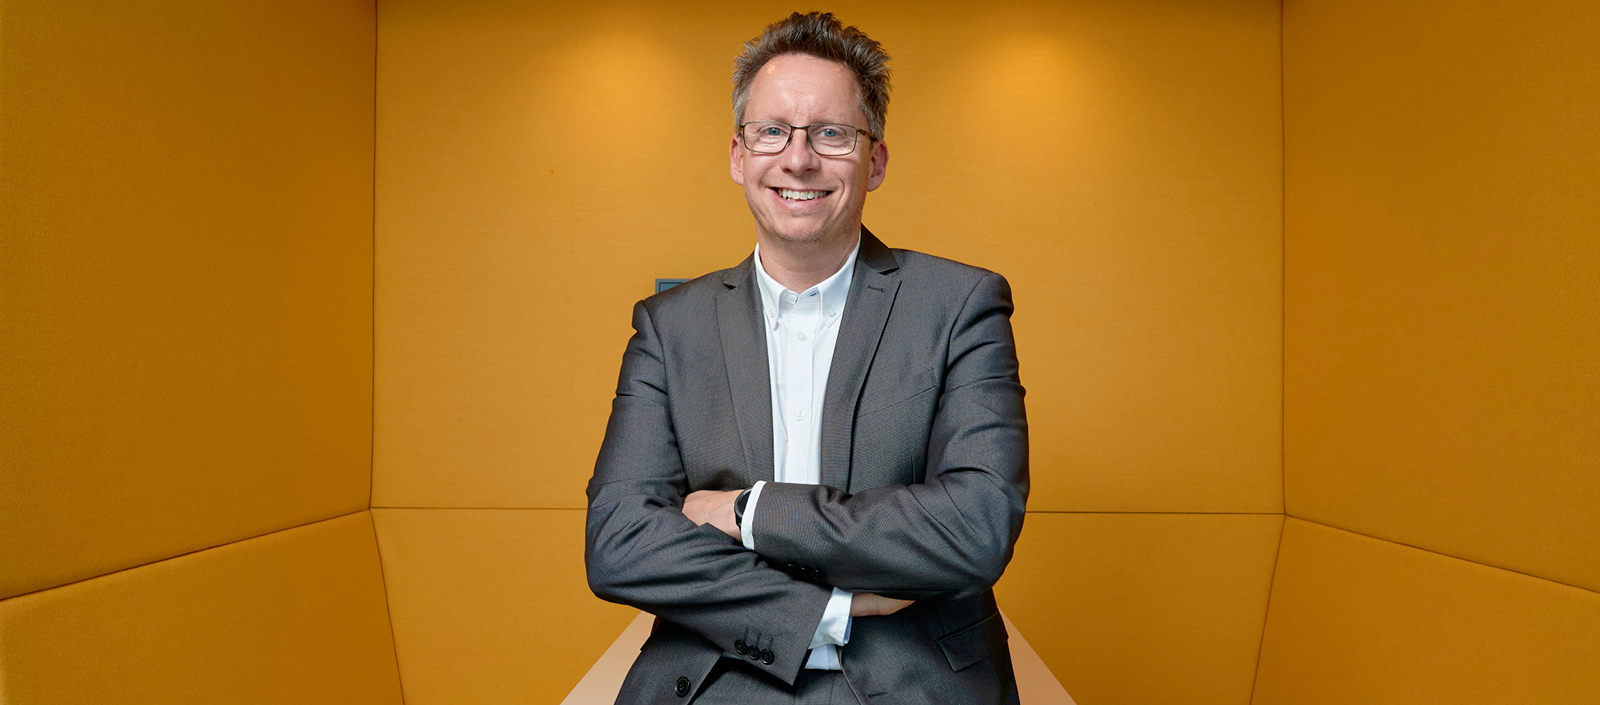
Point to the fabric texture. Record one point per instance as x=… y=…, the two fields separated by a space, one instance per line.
x=924 y=477
x=734 y=683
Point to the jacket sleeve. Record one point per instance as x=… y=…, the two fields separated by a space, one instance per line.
x=951 y=535
x=640 y=549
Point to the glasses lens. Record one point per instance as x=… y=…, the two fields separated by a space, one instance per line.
x=766 y=137
x=833 y=140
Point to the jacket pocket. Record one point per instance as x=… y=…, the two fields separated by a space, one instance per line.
x=911 y=386
x=974 y=643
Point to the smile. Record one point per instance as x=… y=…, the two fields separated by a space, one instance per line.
x=792 y=195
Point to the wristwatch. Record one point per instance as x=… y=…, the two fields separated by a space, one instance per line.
x=738 y=507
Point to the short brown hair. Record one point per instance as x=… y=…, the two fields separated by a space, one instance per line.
x=818 y=34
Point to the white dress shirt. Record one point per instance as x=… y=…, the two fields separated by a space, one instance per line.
x=801 y=331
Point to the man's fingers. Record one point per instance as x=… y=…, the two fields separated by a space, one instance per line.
x=712 y=507
x=893 y=605
x=866 y=604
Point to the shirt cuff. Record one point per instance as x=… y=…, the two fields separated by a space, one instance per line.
x=749 y=521
x=835 y=626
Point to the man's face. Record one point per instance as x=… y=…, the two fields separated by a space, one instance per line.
x=782 y=188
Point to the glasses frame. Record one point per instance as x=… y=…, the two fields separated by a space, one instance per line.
x=811 y=141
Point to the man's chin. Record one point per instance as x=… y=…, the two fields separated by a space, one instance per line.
x=807 y=236
x=800 y=238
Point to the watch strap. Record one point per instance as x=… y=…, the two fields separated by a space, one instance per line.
x=738 y=507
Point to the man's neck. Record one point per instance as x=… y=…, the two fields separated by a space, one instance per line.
x=798 y=266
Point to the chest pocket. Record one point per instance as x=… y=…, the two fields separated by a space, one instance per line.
x=892 y=393
x=891 y=431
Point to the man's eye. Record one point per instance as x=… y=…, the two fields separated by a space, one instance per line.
x=771 y=131
x=829 y=132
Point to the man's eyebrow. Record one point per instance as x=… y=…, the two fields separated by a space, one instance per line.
x=818 y=122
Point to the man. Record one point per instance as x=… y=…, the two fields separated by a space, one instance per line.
x=816 y=462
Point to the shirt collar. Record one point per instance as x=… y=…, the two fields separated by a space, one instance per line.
x=833 y=290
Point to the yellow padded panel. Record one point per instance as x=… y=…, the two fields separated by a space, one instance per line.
x=1144 y=608
x=1443 y=269
x=185 y=263
x=1361 y=620
x=491 y=605
x=1119 y=161
x=296 y=616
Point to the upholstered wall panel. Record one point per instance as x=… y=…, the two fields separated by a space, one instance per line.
x=1361 y=620
x=296 y=616
x=1144 y=608
x=1443 y=276
x=491 y=605
x=185 y=277
x=539 y=165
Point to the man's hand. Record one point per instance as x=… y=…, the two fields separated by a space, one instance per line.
x=866 y=604
x=713 y=507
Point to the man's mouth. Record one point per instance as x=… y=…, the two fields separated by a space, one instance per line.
x=794 y=195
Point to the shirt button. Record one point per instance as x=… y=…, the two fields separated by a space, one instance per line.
x=799 y=415
x=802 y=337
x=830 y=313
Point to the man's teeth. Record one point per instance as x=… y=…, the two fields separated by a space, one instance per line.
x=801 y=195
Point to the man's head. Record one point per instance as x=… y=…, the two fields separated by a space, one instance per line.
x=819 y=34
x=810 y=70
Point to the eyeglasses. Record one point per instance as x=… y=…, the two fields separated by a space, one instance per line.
x=826 y=139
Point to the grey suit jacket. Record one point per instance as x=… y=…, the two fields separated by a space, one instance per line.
x=924 y=478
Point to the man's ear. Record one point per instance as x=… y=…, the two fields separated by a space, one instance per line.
x=880 y=165
x=735 y=164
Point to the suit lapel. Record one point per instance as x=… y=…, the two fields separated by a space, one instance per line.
x=744 y=352
x=873 y=287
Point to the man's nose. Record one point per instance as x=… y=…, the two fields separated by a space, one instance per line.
x=798 y=155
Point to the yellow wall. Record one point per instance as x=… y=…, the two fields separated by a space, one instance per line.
x=185 y=277
x=1144 y=608
x=484 y=606
x=295 y=616
x=1444 y=277
x=1361 y=620
x=1120 y=162
x=185 y=354
x=1442 y=336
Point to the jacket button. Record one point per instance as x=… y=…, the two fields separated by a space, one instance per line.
x=766 y=656
x=682 y=688
x=739 y=647
x=754 y=653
